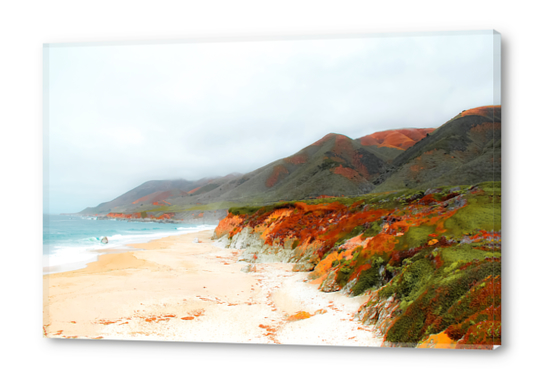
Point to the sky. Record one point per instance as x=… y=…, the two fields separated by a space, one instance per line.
x=118 y=115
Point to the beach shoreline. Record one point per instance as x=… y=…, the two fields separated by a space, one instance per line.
x=76 y=253
x=172 y=289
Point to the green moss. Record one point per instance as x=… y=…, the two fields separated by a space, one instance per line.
x=427 y=313
x=481 y=212
x=461 y=253
x=366 y=279
x=373 y=229
x=418 y=235
x=413 y=278
x=344 y=274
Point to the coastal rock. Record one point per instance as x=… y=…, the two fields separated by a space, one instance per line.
x=329 y=284
x=379 y=312
x=304 y=266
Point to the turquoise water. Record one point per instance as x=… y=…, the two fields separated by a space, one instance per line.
x=69 y=242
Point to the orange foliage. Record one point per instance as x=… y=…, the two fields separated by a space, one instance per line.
x=323 y=140
x=400 y=139
x=228 y=224
x=438 y=341
x=154 y=197
x=485 y=111
x=297 y=159
x=194 y=190
x=279 y=172
x=348 y=173
x=343 y=146
x=415 y=168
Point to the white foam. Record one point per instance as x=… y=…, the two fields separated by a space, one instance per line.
x=66 y=258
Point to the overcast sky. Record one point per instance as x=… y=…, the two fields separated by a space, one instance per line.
x=124 y=114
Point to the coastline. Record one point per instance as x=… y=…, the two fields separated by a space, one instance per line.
x=172 y=289
x=70 y=257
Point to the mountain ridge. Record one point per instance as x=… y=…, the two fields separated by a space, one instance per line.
x=464 y=150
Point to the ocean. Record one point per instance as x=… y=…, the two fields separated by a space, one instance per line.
x=70 y=242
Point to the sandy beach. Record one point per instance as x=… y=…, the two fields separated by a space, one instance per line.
x=172 y=289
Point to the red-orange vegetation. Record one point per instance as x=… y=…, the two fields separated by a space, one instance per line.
x=165 y=216
x=279 y=172
x=485 y=111
x=154 y=197
x=438 y=341
x=400 y=139
x=348 y=173
x=124 y=215
x=297 y=159
x=415 y=168
x=228 y=224
x=194 y=190
x=324 y=139
x=343 y=146
x=416 y=134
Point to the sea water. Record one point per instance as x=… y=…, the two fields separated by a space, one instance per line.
x=70 y=242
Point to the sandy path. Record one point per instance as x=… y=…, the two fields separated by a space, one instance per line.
x=176 y=290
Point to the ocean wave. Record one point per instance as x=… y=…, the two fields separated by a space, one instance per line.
x=74 y=255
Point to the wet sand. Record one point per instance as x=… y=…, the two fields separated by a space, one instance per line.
x=172 y=289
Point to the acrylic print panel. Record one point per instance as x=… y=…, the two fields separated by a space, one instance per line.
x=340 y=190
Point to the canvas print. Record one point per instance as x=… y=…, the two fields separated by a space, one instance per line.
x=341 y=190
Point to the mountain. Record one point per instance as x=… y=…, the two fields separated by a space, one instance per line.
x=157 y=192
x=464 y=150
x=332 y=166
x=335 y=165
x=388 y=144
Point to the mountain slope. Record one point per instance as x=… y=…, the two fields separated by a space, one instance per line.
x=465 y=150
x=333 y=166
x=388 y=144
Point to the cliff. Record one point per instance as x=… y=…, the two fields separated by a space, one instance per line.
x=430 y=260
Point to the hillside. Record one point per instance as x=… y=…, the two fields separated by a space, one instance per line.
x=464 y=150
x=335 y=165
x=430 y=261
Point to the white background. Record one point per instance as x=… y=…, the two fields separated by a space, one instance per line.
x=26 y=25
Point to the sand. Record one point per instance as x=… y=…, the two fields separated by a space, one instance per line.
x=173 y=289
